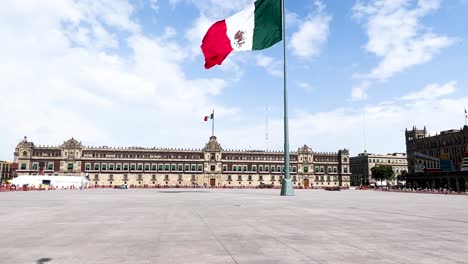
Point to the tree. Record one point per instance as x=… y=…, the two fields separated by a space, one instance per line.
x=382 y=173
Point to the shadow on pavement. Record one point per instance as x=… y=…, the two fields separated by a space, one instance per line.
x=43 y=260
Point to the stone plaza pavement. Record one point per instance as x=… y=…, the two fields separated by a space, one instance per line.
x=231 y=226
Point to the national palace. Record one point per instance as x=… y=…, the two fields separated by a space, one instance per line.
x=211 y=166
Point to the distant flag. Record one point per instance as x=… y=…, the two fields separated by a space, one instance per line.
x=211 y=116
x=466 y=117
x=257 y=27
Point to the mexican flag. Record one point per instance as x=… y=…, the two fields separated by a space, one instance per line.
x=211 y=116
x=255 y=28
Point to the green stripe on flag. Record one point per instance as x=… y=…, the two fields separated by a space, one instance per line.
x=268 y=27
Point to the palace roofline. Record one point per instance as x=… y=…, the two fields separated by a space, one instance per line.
x=73 y=143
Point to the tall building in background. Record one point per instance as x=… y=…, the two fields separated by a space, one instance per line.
x=6 y=170
x=362 y=164
x=441 y=152
x=210 y=166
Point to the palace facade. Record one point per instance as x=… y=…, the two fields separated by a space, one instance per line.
x=210 y=166
x=443 y=151
x=6 y=170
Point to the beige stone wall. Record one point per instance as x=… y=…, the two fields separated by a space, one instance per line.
x=202 y=179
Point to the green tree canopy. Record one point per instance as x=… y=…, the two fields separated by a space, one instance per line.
x=382 y=172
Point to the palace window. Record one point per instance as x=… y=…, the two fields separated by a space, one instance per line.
x=294 y=178
x=254 y=167
x=187 y=167
x=321 y=169
x=260 y=168
x=119 y=167
x=193 y=178
x=173 y=167
x=166 y=177
x=272 y=178
x=96 y=166
x=139 y=178
x=306 y=169
x=224 y=168
x=239 y=177
x=70 y=166
x=140 y=167
x=88 y=166
x=147 y=167
x=234 y=168
x=335 y=170
x=153 y=178
x=317 y=169
x=267 y=168
x=50 y=166
x=179 y=177
x=34 y=167
x=294 y=169
x=194 y=167
x=212 y=167
x=200 y=167
x=111 y=178
x=160 y=167
x=260 y=178
x=250 y=177
x=103 y=166
x=111 y=167
x=166 y=167
x=180 y=167
x=273 y=169
x=154 y=167
x=132 y=167
x=229 y=178
x=346 y=169
x=245 y=168
x=329 y=169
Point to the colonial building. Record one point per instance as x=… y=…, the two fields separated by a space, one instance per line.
x=6 y=170
x=210 y=166
x=362 y=164
x=442 y=151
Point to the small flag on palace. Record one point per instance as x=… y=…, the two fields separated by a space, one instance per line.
x=257 y=27
x=209 y=117
x=466 y=113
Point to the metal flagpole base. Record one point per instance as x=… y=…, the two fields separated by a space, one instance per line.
x=287 y=188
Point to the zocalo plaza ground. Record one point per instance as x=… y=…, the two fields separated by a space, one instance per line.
x=232 y=226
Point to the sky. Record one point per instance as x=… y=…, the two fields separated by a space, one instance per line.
x=130 y=73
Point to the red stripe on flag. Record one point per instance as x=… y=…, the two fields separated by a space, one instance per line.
x=216 y=46
x=206 y=118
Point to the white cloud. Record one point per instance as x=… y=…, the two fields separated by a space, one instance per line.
x=432 y=91
x=397 y=36
x=154 y=5
x=312 y=33
x=358 y=92
x=60 y=79
x=271 y=65
x=216 y=9
x=307 y=87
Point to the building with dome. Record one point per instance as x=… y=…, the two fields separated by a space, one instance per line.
x=209 y=166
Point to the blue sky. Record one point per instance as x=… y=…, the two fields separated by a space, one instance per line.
x=130 y=73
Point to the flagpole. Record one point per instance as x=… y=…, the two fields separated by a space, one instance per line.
x=286 y=187
x=212 y=124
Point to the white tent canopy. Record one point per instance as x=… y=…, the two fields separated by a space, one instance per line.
x=56 y=181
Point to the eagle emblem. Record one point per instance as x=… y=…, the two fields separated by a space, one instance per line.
x=239 y=39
